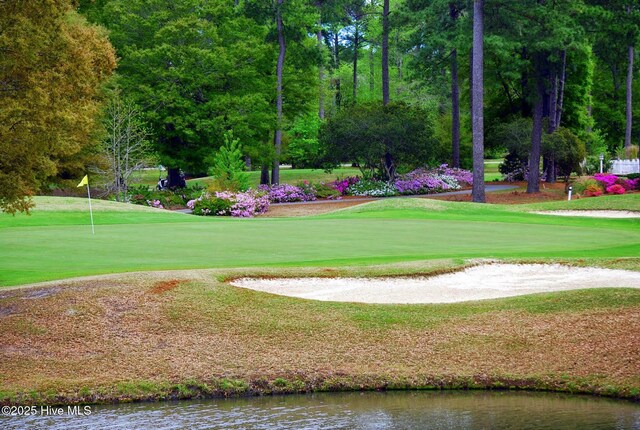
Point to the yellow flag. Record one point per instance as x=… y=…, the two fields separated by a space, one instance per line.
x=85 y=181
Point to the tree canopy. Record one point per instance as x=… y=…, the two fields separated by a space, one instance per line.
x=52 y=64
x=281 y=73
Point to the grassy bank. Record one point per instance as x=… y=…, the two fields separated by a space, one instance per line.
x=188 y=334
x=55 y=242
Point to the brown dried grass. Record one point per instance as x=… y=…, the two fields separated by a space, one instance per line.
x=100 y=333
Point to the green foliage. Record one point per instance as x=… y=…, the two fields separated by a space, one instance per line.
x=614 y=29
x=320 y=190
x=515 y=137
x=595 y=142
x=592 y=164
x=587 y=186
x=228 y=165
x=167 y=198
x=211 y=206
x=51 y=69
x=303 y=149
x=566 y=149
x=199 y=68
x=366 y=133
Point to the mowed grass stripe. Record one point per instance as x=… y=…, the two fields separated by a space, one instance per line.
x=55 y=252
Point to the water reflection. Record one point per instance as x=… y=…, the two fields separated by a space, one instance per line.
x=370 y=411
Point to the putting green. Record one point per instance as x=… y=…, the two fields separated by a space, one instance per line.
x=54 y=244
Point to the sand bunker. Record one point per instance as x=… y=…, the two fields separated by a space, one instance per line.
x=593 y=214
x=489 y=281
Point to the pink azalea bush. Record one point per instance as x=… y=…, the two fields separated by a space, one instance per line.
x=427 y=181
x=463 y=177
x=285 y=193
x=229 y=203
x=422 y=181
x=616 y=189
x=419 y=181
x=155 y=204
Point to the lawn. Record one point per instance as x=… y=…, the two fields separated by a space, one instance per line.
x=55 y=241
x=491 y=172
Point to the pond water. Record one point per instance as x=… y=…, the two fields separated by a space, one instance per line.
x=371 y=410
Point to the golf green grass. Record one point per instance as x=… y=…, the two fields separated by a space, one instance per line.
x=55 y=242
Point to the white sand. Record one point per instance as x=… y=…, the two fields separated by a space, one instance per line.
x=593 y=214
x=488 y=281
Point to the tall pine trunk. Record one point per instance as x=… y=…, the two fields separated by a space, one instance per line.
x=455 y=110
x=477 y=98
x=533 y=181
x=627 y=136
x=550 y=161
x=356 y=43
x=388 y=161
x=372 y=71
x=277 y=141
x=455 y=97
x=385 y=53
x=320 y=79
x=563 y=77
x=336 y=66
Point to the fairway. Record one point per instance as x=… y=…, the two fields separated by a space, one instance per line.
x=53 y=244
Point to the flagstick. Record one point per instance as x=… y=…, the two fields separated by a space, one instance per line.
x=90 y=210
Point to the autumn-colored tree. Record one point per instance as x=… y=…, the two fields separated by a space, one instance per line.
x=52 y=64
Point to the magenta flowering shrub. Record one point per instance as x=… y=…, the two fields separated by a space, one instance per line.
x=607 y=179
x=285 y=193
x=615 y=185
x=342 y=185
x=632 y=184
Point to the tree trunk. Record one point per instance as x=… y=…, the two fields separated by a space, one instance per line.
x=590 y=115
x=563 y=77
x=175 y=180
x=477 y=97
x=372 y=75
x=385 y=52
x=277 y=141
x=336 y=65
x=264 y=174
x=399 y=59
x=553 y=104
x=533 y=180
x=321 y=79
x=627 y=136
x=356 y=42
x=455 y=110
x=550 y=162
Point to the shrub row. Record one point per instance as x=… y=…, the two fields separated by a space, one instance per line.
x=602 y=183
